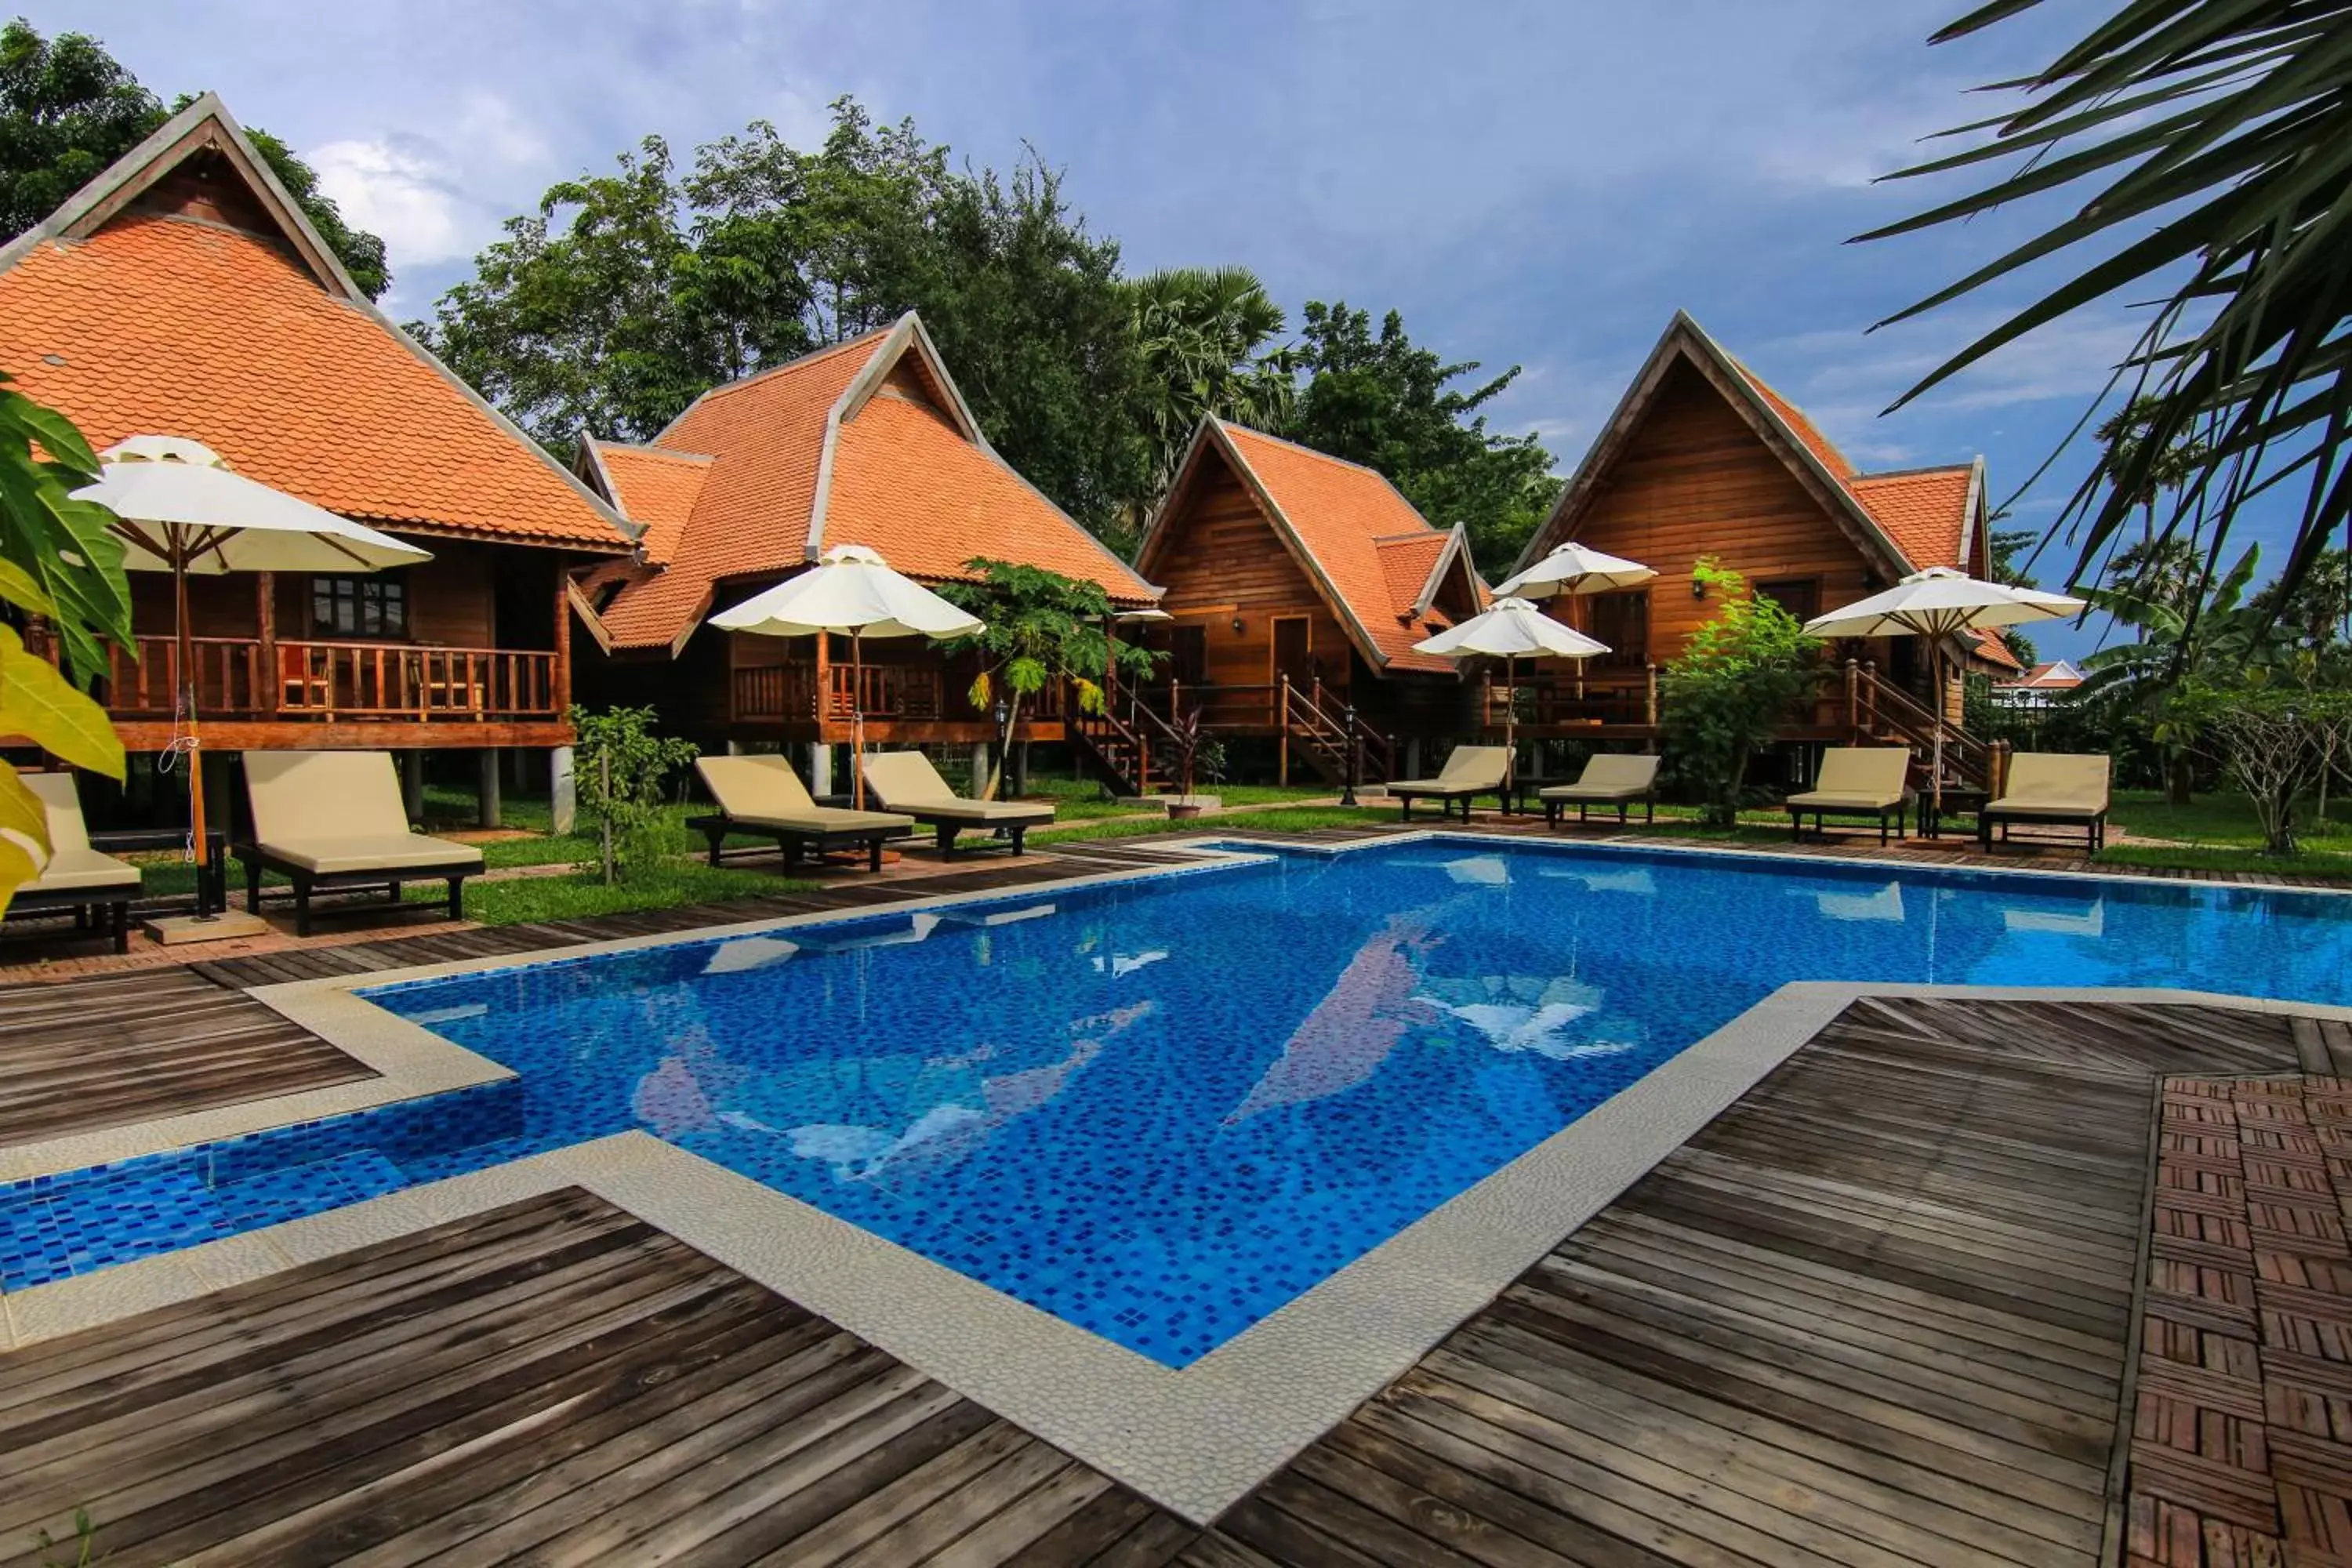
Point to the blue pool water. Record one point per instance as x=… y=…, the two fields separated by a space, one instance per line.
x=1162 y=1110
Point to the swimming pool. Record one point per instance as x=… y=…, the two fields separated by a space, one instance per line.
x=1160 y=1110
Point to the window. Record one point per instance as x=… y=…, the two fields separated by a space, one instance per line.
x=1189 y=648
x=373 y=606
x=1622 y=621
x=1801 y=596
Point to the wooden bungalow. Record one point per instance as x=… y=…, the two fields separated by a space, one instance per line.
x=1300 y=584
x=867 y=442
x=182 y=292
x=1702 y=459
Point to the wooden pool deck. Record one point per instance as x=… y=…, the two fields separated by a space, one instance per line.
x=1964 y=1281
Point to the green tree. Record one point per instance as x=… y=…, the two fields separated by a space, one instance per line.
x=625 y=295
x=1037 y=627
x=1738 y=676
x=2190 y=639
x=60 y=562
x=2211 y=135
x=68 y=108
x=622 y=768
x=1206 y=338
x=1385 y=403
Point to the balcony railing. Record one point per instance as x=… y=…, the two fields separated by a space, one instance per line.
x=242 y=677
x=917 y=692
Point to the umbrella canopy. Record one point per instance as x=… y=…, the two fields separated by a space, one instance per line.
x=1935 y=604
x=1574 y=569
x=1511 y=629
x=173 y=495
x=851 y=589
x=1942 y=602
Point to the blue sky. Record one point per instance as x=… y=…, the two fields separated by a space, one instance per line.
x=1532 y=183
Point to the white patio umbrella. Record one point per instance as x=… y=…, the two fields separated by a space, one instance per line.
x=1574 y=568
x=1507 y=629
x=853 y=590
x=180 y=507
x=1935 y=604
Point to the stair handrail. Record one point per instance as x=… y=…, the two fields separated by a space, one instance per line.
x=1885 y=702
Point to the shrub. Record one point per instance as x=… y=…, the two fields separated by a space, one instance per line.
x=1733 y=686
x=623 y=765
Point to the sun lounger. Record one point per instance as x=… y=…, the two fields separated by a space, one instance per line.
x=2051 y=788
x=77 y=877
x=1855 y=782
x=1609 y=778
x=761 y=797
x=1471 y=770
x=334 y=820
x=906 y=781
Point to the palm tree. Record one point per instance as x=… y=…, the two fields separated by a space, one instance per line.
x=1203 y=334
x=2216 y=133
x=2124 y=436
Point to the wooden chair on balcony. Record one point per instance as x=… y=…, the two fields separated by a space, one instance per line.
x=305 y=679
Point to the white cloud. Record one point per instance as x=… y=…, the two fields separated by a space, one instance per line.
x=399 y=193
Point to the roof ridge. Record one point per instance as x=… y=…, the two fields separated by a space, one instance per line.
x=1967 y=467
x=644 y=449
x=1302 y=447
x=801 y=362
x=1424 y=534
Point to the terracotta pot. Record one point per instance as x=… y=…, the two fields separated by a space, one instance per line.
x=1184 y=810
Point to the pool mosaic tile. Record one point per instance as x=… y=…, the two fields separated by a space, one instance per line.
x=1159 y=1110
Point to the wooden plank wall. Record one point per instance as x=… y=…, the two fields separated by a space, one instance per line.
x=1693 y=479
x=1222 y=559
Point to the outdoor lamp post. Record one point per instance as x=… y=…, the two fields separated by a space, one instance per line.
x=1355 y=758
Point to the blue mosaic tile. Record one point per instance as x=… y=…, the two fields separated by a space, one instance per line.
x=1162 y=1111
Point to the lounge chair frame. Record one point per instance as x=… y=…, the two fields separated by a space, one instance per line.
x=2011 y=809
x=1556 y=809
x=257 y=859
x=792 y=843
x=111 y=906
x=1898 y=814
x=949 y=813
x=2092 y=823
x=1623 y=796
x=1404 y=791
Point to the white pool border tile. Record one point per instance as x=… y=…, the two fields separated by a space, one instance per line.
x=1195 y=1440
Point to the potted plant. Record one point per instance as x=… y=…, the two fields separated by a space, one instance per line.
x=1184 y=731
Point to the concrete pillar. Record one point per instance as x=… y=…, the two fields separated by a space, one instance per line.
x=820 y=768
x=978 y=767
x=562 y=790
x=1412 y=759
x=1017 y=784
x=411 y=783
x=491 y=814
x=734 y=748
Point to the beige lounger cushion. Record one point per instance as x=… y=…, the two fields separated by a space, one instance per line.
x=2048 y=783
x=1471 y=770
x=1611 y=776
x=764 y=793
x=906 y=781
x=1857 y=778
x=73 y=865
x=331 y=812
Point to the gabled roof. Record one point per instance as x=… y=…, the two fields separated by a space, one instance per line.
x=182 y=292
x=1992 y=649
x=1377 y=561
x=1901 y=522
x=2052 y=675
x=867 y=442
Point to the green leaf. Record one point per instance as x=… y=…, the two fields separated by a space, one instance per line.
x=37 y=704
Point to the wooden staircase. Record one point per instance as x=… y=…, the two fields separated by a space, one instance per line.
x=1325 y=740
x=1882 y=713
x=1129 y=755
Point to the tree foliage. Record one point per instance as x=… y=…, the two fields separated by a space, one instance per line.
x=68 y=108
x=622 y=768
x=1382 y=401
x=1207 y=342
x=1738 y=676
x=2208 y=147
x=1038 y=627
x=58 y=561
x=2276 y=737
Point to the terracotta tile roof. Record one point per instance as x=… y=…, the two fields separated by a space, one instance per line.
x=1806 y=431
x=655 y=490
x=1361 y=534
x=2054 y=675
x=168 y=326
x=1925 y=513
x=904 y=479
x=1993 y=648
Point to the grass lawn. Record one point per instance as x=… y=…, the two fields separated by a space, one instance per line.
x=2219 y=832
x=1274 y=818
x=577 y=895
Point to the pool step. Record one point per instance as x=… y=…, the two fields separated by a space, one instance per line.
x=294 y=1191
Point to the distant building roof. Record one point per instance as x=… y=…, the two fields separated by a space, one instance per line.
x=2052 y=675
x=867 y=442
x=183 y=293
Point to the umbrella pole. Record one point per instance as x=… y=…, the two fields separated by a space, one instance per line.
x=186 y=653
x=856 y=725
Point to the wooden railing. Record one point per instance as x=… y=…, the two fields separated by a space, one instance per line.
x=1335 y=735
x=305 y=680
x=1607 y=697
x=1876 y=708
x=910 y=691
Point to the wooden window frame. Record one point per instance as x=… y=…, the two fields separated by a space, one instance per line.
x=390 y=592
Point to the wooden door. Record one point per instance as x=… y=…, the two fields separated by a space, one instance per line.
x=1622 y=620
x=1293 y=656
